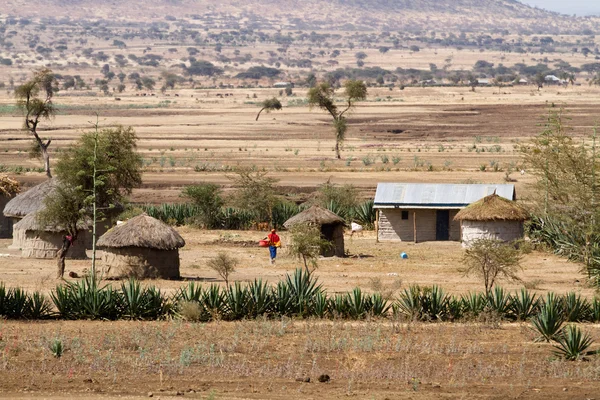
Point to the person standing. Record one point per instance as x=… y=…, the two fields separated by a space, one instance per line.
x=274 y=243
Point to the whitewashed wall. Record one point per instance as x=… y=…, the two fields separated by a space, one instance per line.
x=499 y=230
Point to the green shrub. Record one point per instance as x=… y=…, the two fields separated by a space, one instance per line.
x=548 y=322
x=572 y=344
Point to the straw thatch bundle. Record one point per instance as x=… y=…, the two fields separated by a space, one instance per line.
x=142 y=231
x=29 y=201
x=39 y=241
x=314 y=215
x=142 y=247
x=8 y=187
x=492 y=208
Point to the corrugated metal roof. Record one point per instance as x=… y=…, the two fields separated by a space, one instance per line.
x=436 y=195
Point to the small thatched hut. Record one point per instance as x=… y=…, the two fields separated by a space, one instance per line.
x=8 y=189
x=26 y=203
x=37 y=241
x=142 y=247
x=332 y=228
x=492 y=217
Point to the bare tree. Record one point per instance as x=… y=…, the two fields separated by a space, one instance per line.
x=35 y=99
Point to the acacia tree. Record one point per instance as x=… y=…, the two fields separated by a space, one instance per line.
x=492 y=260
x=270 y=105
x=322 y=96
x=94 y=174
x=34 y=98
x=307 y=243
x=255 y=192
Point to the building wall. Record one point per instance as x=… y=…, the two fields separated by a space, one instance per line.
x=393 y=228
x=5 y=222
x=46 y=244
x=500 y=230
x=141 y=263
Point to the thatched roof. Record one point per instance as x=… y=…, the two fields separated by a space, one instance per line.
x=492 y=208
x=142 y=231
x=8 y=187
x=31 y=223
x=314 y=215
x=29 y=201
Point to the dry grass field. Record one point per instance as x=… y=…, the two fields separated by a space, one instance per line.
x=193 y=134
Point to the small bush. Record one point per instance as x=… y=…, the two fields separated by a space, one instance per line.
x=224 y=265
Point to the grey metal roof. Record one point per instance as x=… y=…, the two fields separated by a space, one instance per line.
x=436 y=195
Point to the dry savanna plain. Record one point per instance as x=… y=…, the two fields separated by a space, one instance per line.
x=189 y=135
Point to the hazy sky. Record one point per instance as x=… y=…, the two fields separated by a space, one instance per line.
x=579 y=7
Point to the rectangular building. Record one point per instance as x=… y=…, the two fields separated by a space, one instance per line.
x=420 y=212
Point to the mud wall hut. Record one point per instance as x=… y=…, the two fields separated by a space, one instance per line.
x=142 y=247
x=419 y=212
x=9 y=188
x=492 y=217
x=330 y=224
x=26 y=203
x=38 y=241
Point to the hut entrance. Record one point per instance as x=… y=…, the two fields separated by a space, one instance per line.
x=442 y=226
x=328 y=232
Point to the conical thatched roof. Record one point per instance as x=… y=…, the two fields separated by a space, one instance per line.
x=31 y=200
x=31 y=223
x=314 y=215
x=492 y=208
x=142 y=231
x=8 y=187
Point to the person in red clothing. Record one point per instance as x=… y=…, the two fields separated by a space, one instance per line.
x=274 y=243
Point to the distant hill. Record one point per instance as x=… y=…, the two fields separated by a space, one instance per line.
x=412 y=15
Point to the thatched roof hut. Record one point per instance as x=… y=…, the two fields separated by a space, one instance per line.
x=142 y=247
x=43 y=241
x=331 y=225
x=492 y=217
x=29 y=201
x=8 y=189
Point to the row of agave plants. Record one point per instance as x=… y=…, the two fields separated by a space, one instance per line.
x=298 y=294
x=238 y=219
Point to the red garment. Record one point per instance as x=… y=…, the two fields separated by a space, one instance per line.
x=273 y=238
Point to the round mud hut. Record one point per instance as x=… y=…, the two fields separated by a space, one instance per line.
x=142 y=247
x=9 y=188
x=38 y=241
x=26 y=203
x=492 y=217
x=331 y=225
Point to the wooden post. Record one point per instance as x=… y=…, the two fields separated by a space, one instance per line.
x=415 y=226
x=376 y=226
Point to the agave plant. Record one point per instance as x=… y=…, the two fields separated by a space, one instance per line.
x=474 y=303
x=213 y=301
x=596 y=311
x=191 y=292
x=39 y=307
x=283 y=302
x=548 y=322
x=338 y=306
x=379 y=305
x=321 y=305
x=434 y=303
x=409 y=303
x=236 y=300
x=142 y=303
x=302 y=287
x=576 y=308
x=260 y=300
x=524 y=305
x=499 y=302
x=365 y=214
x=17 y=304
x=455 y=308
x=358 y=304
x=572 y=344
